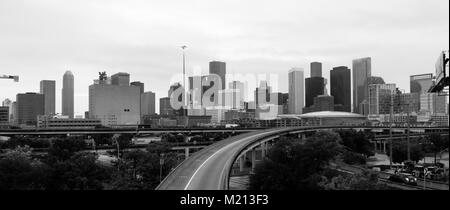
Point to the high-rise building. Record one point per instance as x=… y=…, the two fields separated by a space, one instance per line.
x=115 y=104
x=138 y=84
x=219 y=68
x=4 y=115
x=174 y=87
x=296 y=94
x=380 y=98
x=48 y=88
x=316 y=69
x=373 y=80
x=121 y=79
x=314 y=87
x=239 y=94
x=29 y=107
x=362 y=70
x=324 y=103
x=147 y=103
x=433 y=103
x=420 y=84
x=8 y=103
x=68 y=94
x=285 y=103
x=13 y=113
x=165 y=109
x=262 y=98
x=340 y=83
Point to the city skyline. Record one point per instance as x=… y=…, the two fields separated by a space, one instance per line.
x=253 y=43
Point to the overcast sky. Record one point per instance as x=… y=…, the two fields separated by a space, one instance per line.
x=41 y=39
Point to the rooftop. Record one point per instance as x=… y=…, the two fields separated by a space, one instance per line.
x=324 y=114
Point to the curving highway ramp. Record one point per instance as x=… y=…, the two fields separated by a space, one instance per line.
x=208 y=169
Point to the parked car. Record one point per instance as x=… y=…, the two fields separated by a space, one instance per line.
x=403 y=178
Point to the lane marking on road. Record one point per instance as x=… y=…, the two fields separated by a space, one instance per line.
x=218 y=151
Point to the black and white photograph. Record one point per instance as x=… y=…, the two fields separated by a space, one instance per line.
x=224 y=103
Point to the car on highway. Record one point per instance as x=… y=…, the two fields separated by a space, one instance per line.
x=403 y=178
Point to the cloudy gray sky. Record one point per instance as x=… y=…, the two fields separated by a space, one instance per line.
x=40 y=39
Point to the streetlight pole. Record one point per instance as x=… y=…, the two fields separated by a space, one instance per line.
x=408 y=131
x=161 y=163
x=184 y=79
x=390 y=129
x=407 y=105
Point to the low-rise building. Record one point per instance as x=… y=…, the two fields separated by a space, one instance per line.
x=45 y=121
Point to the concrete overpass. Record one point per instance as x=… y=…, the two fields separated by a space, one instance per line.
x=210 y=168
x=10 y=132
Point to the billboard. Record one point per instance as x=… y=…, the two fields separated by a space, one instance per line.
x=440 y=67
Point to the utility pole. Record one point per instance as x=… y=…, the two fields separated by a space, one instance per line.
x=390 y=129
x=408 y=131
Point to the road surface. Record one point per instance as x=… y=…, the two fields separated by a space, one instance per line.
x=207 y=169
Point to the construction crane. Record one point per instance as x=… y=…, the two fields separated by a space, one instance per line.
x=15 y=78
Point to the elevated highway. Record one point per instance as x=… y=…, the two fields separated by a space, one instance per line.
x=210 y=168
x=10 y=132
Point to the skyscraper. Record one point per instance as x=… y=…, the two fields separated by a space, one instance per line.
x=380 y=98
x=316 y=69
x=147 y=103
x=219 y=68
x=340 y=83
x=138 y=84
x=420 y=84
x=315 y=85
x=165 y=109
x=4 y=115
x=296 y=94
x=68 y=94
x=239 y=94
x=121 y=79
x=48 y=88
x=362 y=70
x=29 y=107
x=117 y=104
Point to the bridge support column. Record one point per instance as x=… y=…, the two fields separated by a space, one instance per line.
x=263 y=150
x=375 y=146
x=253 y=159
x=186 y=152
x=241 y=163
x=384 y=147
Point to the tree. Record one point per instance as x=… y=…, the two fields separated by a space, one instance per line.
x=295 y=165
x=400 y=151
x=159 y=147
x=63 y=149
x=357 y=141
x=362 y=181
x=353 y=158
x=80 y=172
x=437 y=143
x=18 y=171
x=139 y=170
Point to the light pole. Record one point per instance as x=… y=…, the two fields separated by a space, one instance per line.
x=391 y=113
x=184 y=78
x=161 y=163
x=115 y=139
x=402 y=105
